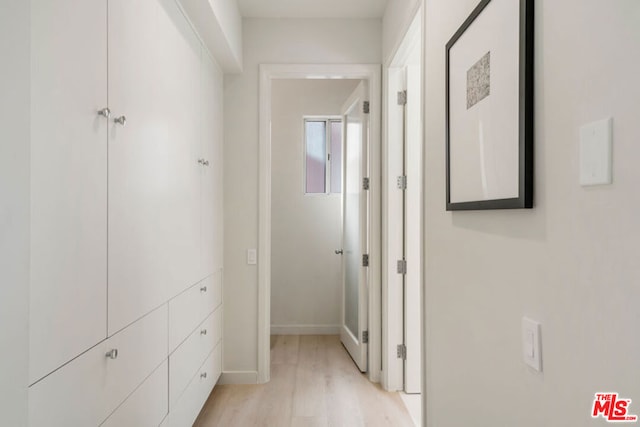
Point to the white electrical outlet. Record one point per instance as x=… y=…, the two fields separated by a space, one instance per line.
x=531 y=344
x=596 y=146
x=252 y=256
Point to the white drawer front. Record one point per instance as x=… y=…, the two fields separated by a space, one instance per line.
x=73 y=395
x=187 y=358
x=147 y=406
x=186 y=410
x=141 y=348
x=190 y=308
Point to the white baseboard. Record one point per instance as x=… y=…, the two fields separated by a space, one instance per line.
x=305 y=329
x=239 y=377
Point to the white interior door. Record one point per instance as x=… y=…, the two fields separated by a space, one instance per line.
x=354 y=227
x=413 y=230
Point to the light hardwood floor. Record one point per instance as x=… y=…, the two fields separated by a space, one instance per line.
x=314 y=382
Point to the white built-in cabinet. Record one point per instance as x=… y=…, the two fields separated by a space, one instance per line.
x=126 y=177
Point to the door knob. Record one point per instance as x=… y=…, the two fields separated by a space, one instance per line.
x=122 y=120
x=338 y=251
x=105 y=112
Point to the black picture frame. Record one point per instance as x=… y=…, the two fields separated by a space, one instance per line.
x=525 y=125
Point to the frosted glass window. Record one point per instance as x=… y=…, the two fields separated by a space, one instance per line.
x=323 y=156
x=316 y=156
x=336 y=156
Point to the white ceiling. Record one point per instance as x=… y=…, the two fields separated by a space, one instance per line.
x=312 y=8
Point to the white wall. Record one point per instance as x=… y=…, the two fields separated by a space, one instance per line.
x=571 y=263
x=268 y=41
x=306 y=275
x=14 y=209
x=398 y=15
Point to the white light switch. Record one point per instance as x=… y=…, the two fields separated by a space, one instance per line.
x=595 y=152
x=531 y=344
x=252 y=256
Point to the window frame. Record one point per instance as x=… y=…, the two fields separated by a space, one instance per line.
x=328 y=161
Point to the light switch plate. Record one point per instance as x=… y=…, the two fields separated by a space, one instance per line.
x=596 y=142
x=531 y=344
x=252 y=256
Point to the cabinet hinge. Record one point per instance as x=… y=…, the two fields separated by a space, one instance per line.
x=402 y=351
x=365 y=260
x=402 y=182
x=366 y=183
x=366 y=107
x=365 y=337
x=402 y=97
x=402 y=266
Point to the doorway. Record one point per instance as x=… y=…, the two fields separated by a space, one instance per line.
x=306 y=158
x=268 y=74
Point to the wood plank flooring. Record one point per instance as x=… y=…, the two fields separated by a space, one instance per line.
x=314 y=382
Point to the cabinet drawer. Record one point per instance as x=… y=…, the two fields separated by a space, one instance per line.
x=141 y=348
x=187 y=358
x=190 y=308
x=88 y=389
x=147 y=406
x=186 y=410
x=72 y=395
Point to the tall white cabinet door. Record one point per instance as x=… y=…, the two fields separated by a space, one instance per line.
x=154 y=193
x=68 y=181
x=212 y=176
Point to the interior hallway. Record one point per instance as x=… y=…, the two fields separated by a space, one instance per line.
x=314 y=382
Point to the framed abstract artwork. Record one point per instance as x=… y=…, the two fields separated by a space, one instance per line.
x=489 y=108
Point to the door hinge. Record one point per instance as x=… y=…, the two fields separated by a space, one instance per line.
x=365 y=337
x=402 y=182
x=366 y=183
x=402 y=266
x=402 y=97
x=365 y=107
x=365 y=260
x=402 y=351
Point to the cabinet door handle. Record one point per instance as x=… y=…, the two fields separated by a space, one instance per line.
x=105 y=112
x=201 y=162
x=203 y=332
x=205 y=162
x=203 y=375
x=112 y=354
x=339 y=251
x=203 y=289
x=122 y=120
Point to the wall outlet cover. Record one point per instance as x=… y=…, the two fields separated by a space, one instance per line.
x=531 y=344
x=596 y=146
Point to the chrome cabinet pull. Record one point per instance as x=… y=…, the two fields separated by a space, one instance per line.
x=203 y=332
x=203 y=289
x=206 y=163
x=203 y=375
x=112 y=354
x=105 y=112
x=122 y=120
x=201 y=161
x=338 y=251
